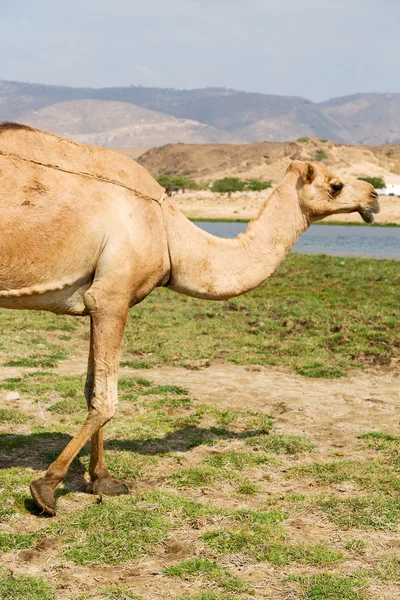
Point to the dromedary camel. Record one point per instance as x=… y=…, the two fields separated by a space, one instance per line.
x=85 y=231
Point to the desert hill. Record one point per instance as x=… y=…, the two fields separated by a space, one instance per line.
x=268 y=160
x=107 y=123
x=209 y=114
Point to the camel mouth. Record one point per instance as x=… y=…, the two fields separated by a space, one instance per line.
x=367 y=216
x=367 y=212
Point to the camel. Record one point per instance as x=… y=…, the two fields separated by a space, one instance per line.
x=86 y=231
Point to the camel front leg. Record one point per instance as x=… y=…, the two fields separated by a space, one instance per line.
x=108 y=325
x=100 y=480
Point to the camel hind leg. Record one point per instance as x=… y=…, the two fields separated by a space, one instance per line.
x=108 y=319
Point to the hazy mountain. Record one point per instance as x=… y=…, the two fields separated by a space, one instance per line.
x=368 y=118
x=209 y=115
x=112 y=124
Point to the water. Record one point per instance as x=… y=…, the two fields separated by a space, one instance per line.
x=340 y=240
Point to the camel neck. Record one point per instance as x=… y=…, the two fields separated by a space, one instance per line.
x=205 y=266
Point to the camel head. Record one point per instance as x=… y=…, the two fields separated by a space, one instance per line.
x=322 y=194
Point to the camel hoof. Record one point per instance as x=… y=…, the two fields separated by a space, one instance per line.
x=109 y=486
x=43 y=495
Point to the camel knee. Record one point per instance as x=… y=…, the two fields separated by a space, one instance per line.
x=103 y=409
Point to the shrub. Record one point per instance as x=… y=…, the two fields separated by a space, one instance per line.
x=320 y=155
x=303 y=140
x=254 y=185
x=377 y=182
x=227 y=185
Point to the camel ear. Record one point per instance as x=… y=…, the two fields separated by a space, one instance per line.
x=308 y=173
x=304 y=170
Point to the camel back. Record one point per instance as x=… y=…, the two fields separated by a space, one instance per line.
x=39 y=147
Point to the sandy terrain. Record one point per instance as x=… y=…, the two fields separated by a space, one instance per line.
x=330 y=412
x=206 y=205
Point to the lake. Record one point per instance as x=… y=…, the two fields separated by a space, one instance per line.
x=340 y=240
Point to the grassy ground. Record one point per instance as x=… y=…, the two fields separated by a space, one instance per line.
x=226 y=503
x=317 y=315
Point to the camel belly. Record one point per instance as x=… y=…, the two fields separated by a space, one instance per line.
x=68 y=300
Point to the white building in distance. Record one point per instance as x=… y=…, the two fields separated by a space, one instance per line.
x=391 y=189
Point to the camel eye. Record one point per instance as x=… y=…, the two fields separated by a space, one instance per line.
x=336 y=186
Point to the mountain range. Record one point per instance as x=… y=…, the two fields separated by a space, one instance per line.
x=139 y=116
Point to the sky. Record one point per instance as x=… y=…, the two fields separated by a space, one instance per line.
x=317 y=49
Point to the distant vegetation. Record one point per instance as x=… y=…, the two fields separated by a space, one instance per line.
x=320 y=155
x=377 y=182
x=303 y=140
x=173 y=184
x=228 y=185
x=254 y=185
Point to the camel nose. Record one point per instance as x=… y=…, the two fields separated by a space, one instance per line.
x=374 y=194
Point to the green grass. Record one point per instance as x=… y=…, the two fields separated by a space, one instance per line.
x=260 y=537
x=281 y=444
x=16 y=541
x=223 y=466
x=113 y=532
x=357 y=546
x=209 y=596
x=315 y=316
x=371 y=511
x=237 y=460
x=119 y=592
x=207 y=570
x=314 y=306
x=20 y=587
x=201 y=475
x=181 y=510
x=388 y=569
x=13 y=486
x=47 y=386
x=12 y=416
x=38 y=359
x=375 y=475
x=331 y=586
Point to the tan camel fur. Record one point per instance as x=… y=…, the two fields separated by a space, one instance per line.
x=86 y=231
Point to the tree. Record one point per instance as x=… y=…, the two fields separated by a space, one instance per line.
x=377 y=182
x=227 y=185
x=173 y=184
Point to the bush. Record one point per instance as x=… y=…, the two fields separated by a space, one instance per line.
x=227 y=185
x=377 y=182
x=303 y=140
x=320 y=155
x=254 y=185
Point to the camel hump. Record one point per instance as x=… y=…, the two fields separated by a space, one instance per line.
x=42 y=148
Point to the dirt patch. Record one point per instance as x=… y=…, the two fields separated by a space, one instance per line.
x=331 y=413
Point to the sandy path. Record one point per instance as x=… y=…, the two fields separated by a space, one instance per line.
x=330 y=410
